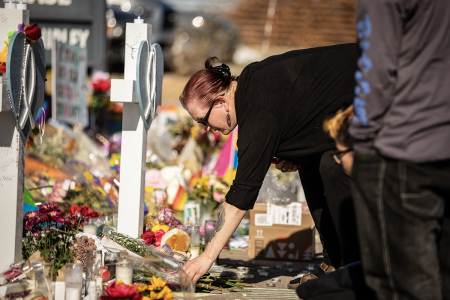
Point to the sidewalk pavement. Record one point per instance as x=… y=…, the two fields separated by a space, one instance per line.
x=272 y=286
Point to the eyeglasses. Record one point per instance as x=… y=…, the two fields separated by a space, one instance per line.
x=204 y=121
x=337 y=155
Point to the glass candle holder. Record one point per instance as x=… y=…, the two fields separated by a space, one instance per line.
x=124 y=271
x=42 y=284
x=195 y=235
x=93 y=262
x=73 y=281
x=90 y=227
x=111 y=259
x=191 y=213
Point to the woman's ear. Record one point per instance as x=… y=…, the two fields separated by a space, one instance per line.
x=222 y=100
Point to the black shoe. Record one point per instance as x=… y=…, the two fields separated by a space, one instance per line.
x=322 y=270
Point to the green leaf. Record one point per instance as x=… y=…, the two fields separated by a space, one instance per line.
x=27 y=198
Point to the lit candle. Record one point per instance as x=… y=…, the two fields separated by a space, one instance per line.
x=194 y=234
x=124 y=271
x=90 y=227
x=73 y=281
x=73 y=293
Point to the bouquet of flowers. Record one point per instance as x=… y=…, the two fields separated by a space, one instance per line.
x=51 y=231
x=157 y=225
x=156 y=289
x=209 y=190
x=184 y=128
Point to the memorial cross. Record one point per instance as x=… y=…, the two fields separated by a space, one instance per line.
x=22 y=95
x=140 y=93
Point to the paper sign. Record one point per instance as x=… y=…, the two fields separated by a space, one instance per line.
x=69 y=69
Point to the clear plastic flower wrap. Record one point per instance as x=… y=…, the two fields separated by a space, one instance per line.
x=148 y=261
x=135 y=247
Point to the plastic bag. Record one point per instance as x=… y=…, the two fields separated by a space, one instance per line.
x=273 y=192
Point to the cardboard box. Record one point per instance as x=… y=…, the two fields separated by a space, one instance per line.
x=280 y=241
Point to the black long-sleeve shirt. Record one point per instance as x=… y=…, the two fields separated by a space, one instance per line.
x=281 y=103
x=402 y=103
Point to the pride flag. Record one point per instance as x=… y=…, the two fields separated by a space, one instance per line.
x=227 y=162
x=180 y=199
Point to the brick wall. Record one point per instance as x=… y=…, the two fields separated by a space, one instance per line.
x=295 y=23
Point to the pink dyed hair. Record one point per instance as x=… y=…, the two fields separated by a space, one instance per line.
x=205 y=85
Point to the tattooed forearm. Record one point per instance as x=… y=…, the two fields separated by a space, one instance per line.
x=219 y=224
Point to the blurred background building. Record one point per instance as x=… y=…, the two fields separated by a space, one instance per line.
x=189 y=31
x=238 y=32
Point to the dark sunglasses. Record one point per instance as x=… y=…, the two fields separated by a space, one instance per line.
x=204 y=121
x=337 y=155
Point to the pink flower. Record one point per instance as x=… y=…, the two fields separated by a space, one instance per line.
x=164 y=214
x=13 y=273
x=58 y=192
x=121 y=291
x=219 y=197
x=98 y=76
x=158 y=236
x=154 y=179
x=37 y=234
x=202 y=230
x=160 y=197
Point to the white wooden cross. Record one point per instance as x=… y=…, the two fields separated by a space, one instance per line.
x=22 y=95
x=140 y=93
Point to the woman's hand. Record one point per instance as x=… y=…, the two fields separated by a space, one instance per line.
x=229 y=219
x=285 y=165
x=197 y=267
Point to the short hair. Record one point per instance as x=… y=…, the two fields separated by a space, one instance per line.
x=337 y=126
x=206 y=84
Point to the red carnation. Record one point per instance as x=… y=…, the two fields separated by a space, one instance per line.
x=158 y=236
x=84 y=210
x=122 y=291
x=149 y=237
x=32 y=32
x=101 y=86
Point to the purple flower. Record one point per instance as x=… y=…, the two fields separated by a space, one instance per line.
x=56 y=216
x=21 y=27
x=48 y=208
x=31 y=215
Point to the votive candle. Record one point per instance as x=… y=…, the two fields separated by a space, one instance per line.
x=124 y=271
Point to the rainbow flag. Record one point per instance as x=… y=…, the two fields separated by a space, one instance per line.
x=227 y=162
x=180 y=199
x=195 y=176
